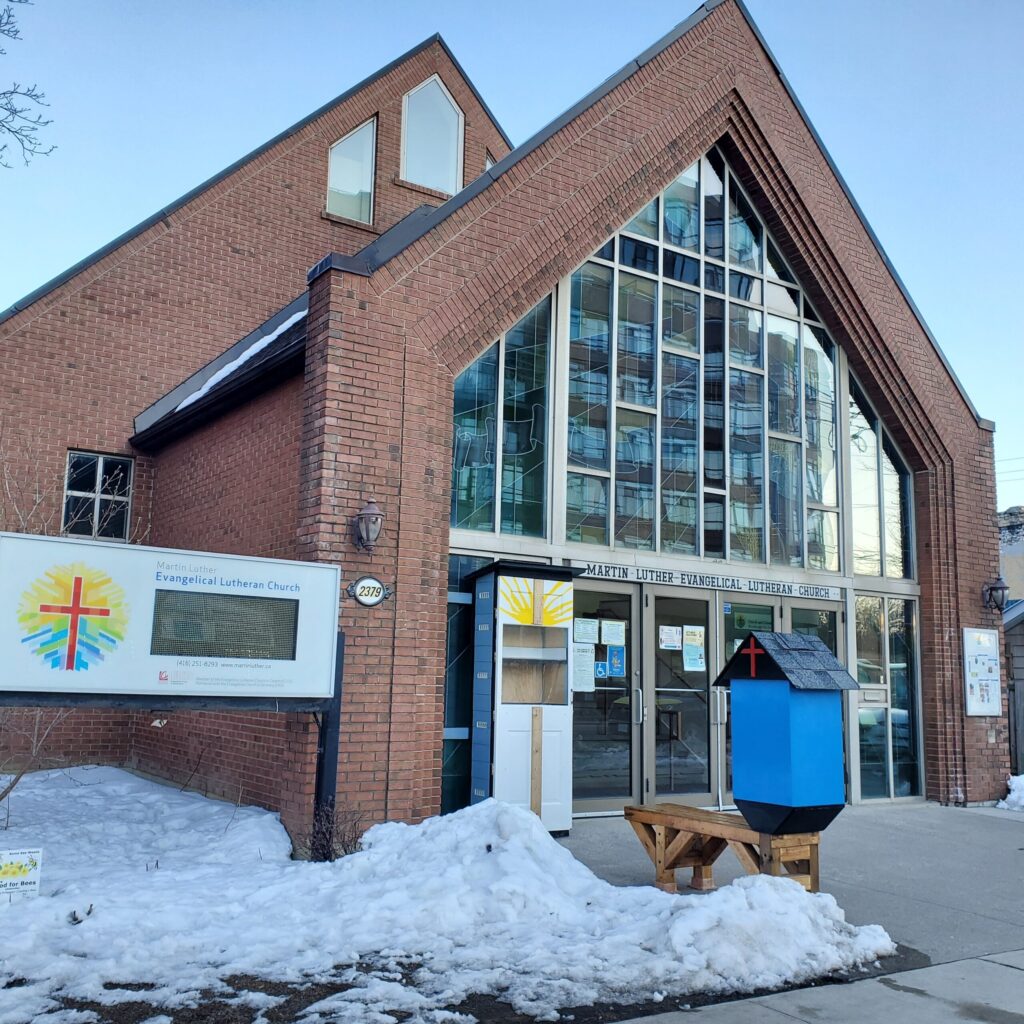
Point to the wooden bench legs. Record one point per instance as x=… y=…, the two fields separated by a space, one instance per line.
x=671 y=846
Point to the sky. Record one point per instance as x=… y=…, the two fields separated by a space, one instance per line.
x=918 y=102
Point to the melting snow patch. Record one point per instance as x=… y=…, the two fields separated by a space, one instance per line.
x=483 y=901
x=1015 y=799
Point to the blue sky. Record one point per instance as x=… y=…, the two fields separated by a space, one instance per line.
x=917 y=100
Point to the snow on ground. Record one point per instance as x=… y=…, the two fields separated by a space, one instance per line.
x=1015 y=799
x=482 y=901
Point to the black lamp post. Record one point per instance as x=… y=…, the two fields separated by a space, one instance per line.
x=994 y=593
x=367 y=525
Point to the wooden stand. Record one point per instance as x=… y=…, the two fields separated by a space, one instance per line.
x=676 y=836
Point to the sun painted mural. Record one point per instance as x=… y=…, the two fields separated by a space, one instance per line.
x=73 y=617
x=535 y=602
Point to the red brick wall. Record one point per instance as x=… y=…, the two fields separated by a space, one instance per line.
x=85 y=359
x=232 y=486
x=442 y=301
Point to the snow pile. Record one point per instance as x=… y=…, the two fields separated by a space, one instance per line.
x=482 y=901
x=1015 y=799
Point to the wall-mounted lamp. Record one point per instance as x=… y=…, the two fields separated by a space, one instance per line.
x=366 y=526
x=993 y=594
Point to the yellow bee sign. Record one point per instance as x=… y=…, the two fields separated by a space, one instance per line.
x=19 y=871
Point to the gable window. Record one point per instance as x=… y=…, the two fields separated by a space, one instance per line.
x=350 y=174
x=97 y=496
x=432 y=131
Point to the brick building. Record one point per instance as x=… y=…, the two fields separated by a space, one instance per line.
x=656 y=348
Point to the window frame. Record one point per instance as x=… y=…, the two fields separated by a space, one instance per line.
x=372 y=121
x=461 y=147
x=97 y=495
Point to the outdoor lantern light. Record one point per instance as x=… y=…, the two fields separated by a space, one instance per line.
x=366 y=525
x=993 y=594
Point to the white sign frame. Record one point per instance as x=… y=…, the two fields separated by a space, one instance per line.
x=128 y=669
x=983 y=685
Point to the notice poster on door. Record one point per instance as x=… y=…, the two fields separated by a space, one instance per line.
x=616 y=662
x=693 y=649
x=670 y=638
x=585 y=631
x=983 y=688
x=583 y=667
x=613 y=631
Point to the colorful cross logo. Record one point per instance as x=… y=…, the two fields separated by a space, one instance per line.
x=73 y=616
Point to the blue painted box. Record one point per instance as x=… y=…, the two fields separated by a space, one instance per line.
x=787 y=732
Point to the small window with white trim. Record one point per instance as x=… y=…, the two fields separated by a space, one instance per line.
x=97 y=496
x=350 y=174
x=432 y=137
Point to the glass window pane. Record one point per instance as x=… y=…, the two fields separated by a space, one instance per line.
x=774 y=265
x=680 y=411
x=822 y=540
x=680 y=317
x=590 y=320
x=113 y=519
x=638 y=255
x=744 y=232
x=874 y=753
x=634 y=479
x=783 y=300
x=714 y=277
x=586 y=509
x=350 y=175
x=432 y=139
x=786 y=503
x=745 y=335
x=682 y=209
x=455 y=775
x=474 y=442
x=743 y=286
x=82 y=472
x=524 y=426
x=459 y=567
x=903 y=685
x=870 y=653
x=637 y=339
x=820 y=416
x=783 y=376
x=867 y=538
x=607 y=251
x=714 y=525
x=680 y=268
x=116 y=477
x=746 y=466
x=896 y=498
x=714 y=203
x=714 y=393
x=819 y=623
x=645 y=222
x=78 y=516
x=458 y=673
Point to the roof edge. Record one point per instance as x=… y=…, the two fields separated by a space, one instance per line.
x=984 y=424
x=19 y=305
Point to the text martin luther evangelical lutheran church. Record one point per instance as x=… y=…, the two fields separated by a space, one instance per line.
x=656 y=345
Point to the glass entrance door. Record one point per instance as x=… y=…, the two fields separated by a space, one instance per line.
x=607 y=703
x=681 y=745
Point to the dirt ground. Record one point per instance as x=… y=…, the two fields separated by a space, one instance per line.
x=221 y=1008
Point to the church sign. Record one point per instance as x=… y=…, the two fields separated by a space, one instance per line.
x=709 y=581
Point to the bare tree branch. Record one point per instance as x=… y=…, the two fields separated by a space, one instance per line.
x=20 y=116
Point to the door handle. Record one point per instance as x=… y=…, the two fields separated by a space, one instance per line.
x=639 y=710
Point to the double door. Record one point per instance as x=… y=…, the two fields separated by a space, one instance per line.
x=658 y=730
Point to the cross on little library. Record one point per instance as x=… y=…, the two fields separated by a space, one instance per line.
x=753 y=650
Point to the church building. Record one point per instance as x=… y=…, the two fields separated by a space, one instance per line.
x=622 y=394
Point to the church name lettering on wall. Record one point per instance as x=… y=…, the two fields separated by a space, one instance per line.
x=708 y=581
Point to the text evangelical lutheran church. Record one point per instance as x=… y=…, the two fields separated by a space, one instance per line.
x=658 y=336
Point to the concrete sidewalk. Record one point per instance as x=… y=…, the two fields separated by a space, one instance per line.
x=984 y=989
x=946 y=883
